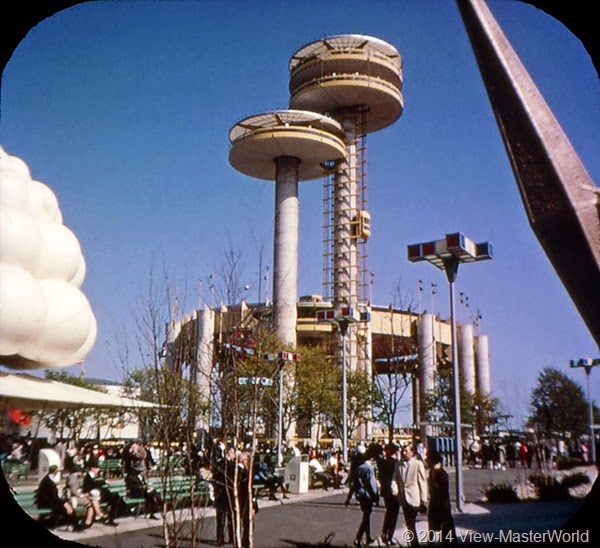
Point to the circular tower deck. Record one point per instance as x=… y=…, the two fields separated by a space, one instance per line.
x=257 y=141
x=347 y=72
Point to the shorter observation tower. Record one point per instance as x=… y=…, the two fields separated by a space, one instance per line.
x=285 y=146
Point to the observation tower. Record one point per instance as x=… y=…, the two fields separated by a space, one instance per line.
x=356 y=80
x=285 y=146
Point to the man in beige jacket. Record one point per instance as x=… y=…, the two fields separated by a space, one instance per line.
x=411 y=480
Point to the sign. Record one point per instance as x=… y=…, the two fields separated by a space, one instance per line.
x=264 y=381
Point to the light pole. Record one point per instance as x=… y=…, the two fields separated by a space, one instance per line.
x=447 y=254
x=342 y=320
x=280 y=358
x=587 y=364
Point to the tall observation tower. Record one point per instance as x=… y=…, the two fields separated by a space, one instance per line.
x=356 y=80
x=285 y=146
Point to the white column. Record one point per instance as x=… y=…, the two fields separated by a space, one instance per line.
x=426 y=371
x=204 y=359
x=466 y=357
x=482 y=365
x=285 y=249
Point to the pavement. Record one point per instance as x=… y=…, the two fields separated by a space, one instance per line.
x=319 y=518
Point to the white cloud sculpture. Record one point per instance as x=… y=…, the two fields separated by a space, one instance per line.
x=45 y=319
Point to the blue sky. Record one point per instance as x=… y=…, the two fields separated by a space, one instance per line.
x=124 y=108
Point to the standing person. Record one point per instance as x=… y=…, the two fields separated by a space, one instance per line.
x=246 y=503
x=138 y=458
x=367 y=494
x=411 y=480
x=389 y=492
x=221 y=465
x=355 y=461
x=439 y=512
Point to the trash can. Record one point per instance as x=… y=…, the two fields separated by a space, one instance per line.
x=296 y=474
x=46 y=458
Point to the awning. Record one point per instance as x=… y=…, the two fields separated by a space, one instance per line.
x=27 y=393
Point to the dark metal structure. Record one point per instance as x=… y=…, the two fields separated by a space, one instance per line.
x=560 y=198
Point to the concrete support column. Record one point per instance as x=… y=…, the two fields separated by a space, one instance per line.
x=466 y=357
x=426 y=371
x=285 y=252
x=482 y=365
x=204 y=360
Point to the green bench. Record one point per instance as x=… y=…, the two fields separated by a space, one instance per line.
x=111 y=468
x=180 y=490
x=15 y=468
x=26 y=500
x=132 y=504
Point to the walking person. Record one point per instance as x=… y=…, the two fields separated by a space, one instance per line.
x=389 y=491
x=367 y=495
x=357 y=459
x=439 y=512
x=411 y=479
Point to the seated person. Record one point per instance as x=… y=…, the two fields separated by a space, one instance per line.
x=76 y=496
x=333 y=468
x=262 y=474
x=47 y=496
x=319 y=474
x=138 y=487
x=96 y=488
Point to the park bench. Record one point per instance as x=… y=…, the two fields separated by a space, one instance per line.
x=111 y=468
x=15 y=469
x=178 y=490
x=132 y=504
x=26 y=500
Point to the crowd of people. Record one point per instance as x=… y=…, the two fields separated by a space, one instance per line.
x=514 y=451
x=401 y=479
x=405 y=478
x=79 y=484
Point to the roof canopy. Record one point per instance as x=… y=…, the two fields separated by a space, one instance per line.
x=27 y=392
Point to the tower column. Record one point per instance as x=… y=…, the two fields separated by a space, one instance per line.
x=285 y=249
x=466 y=357
x=482 y=365
x=426 y=370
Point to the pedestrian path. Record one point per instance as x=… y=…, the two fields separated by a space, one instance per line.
x=319 y=517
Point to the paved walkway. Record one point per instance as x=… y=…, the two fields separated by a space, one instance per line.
x=319 y=518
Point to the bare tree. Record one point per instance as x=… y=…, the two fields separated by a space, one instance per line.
x=163 y=376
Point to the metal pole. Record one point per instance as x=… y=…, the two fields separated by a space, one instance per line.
x=588 y=370
x=451 y=267
x=280 y=419
x=343 y=327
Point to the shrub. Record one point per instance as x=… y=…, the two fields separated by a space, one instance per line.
x=501 y=492
x=549 y=488
x=566 y=463
x=575 y=479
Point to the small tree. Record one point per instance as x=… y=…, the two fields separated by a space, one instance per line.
x=558 y=404
x=319 y=381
